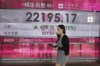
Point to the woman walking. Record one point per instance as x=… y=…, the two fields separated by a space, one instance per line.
x=62 y=46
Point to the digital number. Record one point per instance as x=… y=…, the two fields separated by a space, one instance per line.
x=75 y=15
x=50 y=16
x=11 y=33
x=67 y=17
x=29 y=19
x=36 y=18
x=47 y=33
x=57 y=17
x=43 y=17
x=73 y=19
x=29 y=14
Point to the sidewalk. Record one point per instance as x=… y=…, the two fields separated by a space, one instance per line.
x=49 y=64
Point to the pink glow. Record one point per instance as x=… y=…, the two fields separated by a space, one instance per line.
x=67 y=4
x=43 y=50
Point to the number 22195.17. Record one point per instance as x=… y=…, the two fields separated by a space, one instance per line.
x=57 y=17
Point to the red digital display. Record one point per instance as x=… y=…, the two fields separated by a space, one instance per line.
x=52 y=4
x=38 y=48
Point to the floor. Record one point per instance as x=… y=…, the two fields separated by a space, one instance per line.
x=49 y=64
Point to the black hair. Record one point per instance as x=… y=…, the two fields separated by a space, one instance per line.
x=62 y=27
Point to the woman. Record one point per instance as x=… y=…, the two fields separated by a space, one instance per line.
x=62 y=46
